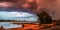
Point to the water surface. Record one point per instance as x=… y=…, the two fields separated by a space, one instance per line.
x=8 y=25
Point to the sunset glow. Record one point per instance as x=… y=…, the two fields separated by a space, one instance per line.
x=25 y=5
x=6 y=4
x=30 y=0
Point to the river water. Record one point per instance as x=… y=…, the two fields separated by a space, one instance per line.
x=8 y=25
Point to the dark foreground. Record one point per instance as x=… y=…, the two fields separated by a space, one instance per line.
x=55 y=25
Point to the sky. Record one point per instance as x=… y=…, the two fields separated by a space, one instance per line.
x=52 y=6
x=10 y=10
x=17 y=14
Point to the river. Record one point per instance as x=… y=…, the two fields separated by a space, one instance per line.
x=8 y=25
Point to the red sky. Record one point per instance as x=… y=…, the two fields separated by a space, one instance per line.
x=51 y=5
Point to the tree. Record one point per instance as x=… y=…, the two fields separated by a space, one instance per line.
x=44 y=18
